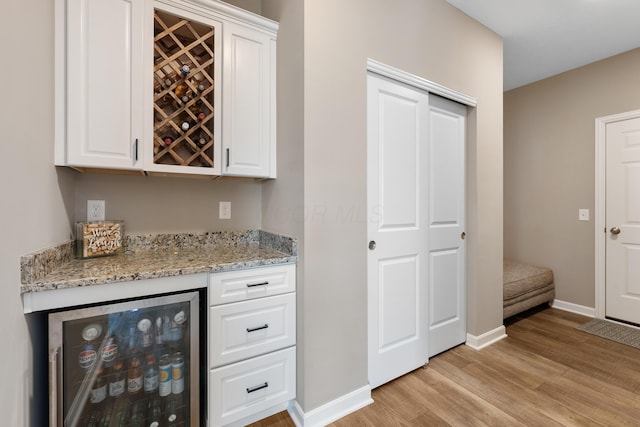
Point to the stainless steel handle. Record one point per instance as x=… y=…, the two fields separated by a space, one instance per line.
x=256 y=388
x=253 y=285
x=372 y=245
x=265 y=326
x=54 y=389
x=615 y=230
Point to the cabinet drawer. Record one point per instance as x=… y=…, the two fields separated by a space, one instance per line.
x=245 y=329
x=233 y=286
x=244 y=388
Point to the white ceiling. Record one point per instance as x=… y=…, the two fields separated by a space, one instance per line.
x=546 y=37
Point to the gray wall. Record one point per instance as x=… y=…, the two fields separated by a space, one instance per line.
x=549 y=167
x=425 y=37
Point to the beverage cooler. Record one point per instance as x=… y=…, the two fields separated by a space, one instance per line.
x=133 y=363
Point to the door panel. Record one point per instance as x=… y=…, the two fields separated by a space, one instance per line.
x=104 y=79
x=447 y=280
x=623 y=212
x=396 y=155
x=399 y=292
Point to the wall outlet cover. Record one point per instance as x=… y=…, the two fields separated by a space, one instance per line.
x=95 y=210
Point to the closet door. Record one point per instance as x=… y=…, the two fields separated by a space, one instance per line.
x=446 y=194
x=397 y=182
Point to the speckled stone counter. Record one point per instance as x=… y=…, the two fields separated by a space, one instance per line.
x=155 y=256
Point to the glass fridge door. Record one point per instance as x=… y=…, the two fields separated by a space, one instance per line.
x=132 y=363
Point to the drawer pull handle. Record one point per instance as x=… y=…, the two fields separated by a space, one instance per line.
x=253 y=285
x=258 y=387
x=265 y=326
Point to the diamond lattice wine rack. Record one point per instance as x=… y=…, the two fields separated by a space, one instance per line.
x=183 y=92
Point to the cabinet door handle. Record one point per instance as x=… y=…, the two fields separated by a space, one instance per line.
x=252 y=285
x=265 y=326
x=258 y=387
x=135 y=150
x=227 y=157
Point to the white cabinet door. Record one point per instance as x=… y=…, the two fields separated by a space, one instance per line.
x=240 y=285
x=248 y=102
x=248 y=387
x=103 y=84
x=249 y=328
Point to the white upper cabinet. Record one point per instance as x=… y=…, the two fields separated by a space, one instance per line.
x=165 y=86
x=99 y=84
x=248 y=123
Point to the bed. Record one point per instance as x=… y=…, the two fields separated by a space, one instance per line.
x=525 y=286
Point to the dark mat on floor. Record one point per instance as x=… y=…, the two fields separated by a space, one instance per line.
x=628 y=335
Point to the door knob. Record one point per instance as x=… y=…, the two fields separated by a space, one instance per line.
x=615 y=230
x=372 y=245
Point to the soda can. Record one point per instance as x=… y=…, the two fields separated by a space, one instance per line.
x=164 y=368
x=177 y=373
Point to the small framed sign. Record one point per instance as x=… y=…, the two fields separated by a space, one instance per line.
x=99 y=238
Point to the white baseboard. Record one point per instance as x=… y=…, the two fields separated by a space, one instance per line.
x=481 y=341
x=332 y=411
x=574 y=308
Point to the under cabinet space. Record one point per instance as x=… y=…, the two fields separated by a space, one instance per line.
x=245 y=329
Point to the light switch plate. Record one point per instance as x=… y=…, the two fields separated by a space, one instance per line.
x=225 y=210
x=583 y=214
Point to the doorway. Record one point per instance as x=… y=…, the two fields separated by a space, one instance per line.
x=618 y=217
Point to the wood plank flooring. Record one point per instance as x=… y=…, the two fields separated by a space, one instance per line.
x=546 y=373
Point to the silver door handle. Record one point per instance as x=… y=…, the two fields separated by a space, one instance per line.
x=615 y=230
x=372 y=245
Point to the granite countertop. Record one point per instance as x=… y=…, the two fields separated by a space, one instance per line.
x=154 y=256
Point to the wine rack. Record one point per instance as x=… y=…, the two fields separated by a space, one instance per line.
x=183 y=92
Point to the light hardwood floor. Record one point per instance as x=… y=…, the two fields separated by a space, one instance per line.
x=546 y=373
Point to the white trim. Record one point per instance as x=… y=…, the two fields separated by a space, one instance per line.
x=419 y=82
x=481 y=341
x=574 y=308
x=331 y=411
x=229 y=12
x=69 y=297
x=600 y=206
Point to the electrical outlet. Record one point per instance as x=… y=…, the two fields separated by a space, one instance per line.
x=95 y=210
x=225 y=210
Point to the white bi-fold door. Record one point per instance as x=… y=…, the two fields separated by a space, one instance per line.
x=415 y=197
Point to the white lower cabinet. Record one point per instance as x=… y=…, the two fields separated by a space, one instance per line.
x=252 y=386
x=252 y=337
